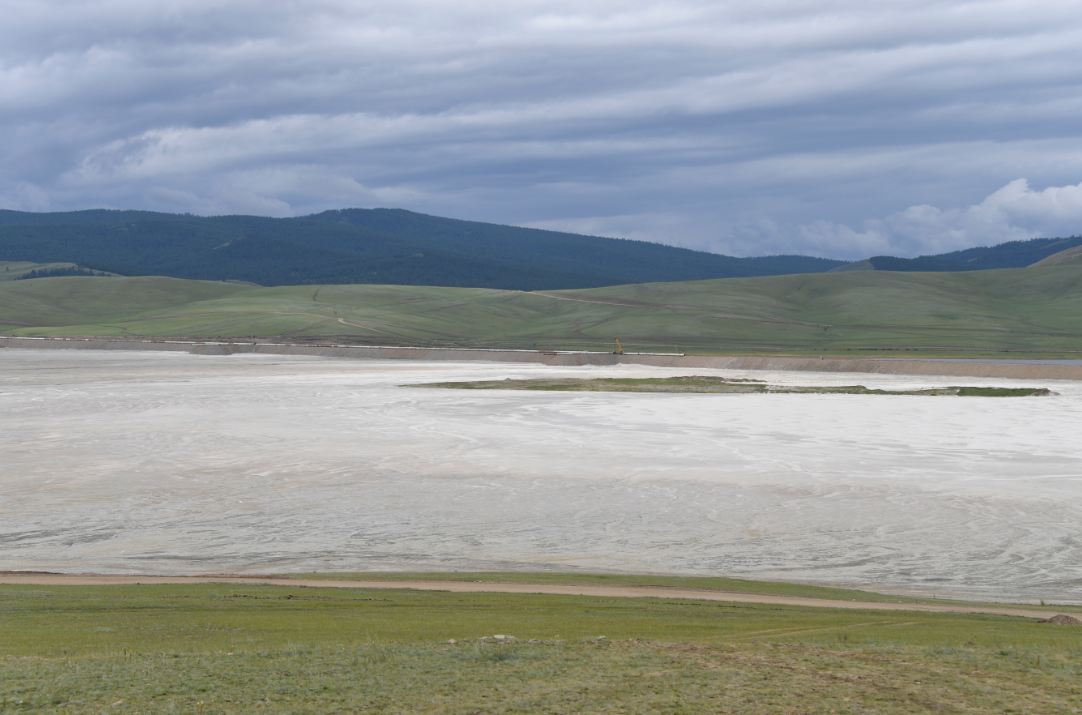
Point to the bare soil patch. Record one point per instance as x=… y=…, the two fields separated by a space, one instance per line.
x=52 y=579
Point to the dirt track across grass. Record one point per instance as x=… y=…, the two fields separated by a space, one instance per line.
x=51 y=579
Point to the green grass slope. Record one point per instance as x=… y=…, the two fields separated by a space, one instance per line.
x=1069 y=255
x=240 y=648
x=99 y=301
x=23 y=270
x=16 y=270
x=1027 y=310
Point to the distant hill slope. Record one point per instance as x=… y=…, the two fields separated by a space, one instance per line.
x=1036 y=310
x=1014 y=254
x=1069 y=255
x=25 y=270
x=385 y=246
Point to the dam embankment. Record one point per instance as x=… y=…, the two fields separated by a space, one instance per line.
x=1013 y=369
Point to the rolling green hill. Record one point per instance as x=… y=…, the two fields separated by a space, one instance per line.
x=25 y=270
x=1037 y=310
x=1068 y=255
x=378 y=246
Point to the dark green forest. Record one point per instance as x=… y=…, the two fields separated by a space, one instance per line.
x=362 y=246
x=59 y=273
x=1014 y=254
x=393 y=246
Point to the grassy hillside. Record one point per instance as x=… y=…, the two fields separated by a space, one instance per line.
x=24 y=270
x=1035 y=310
x=1068 y=255
x=240 y=648
x=361 y=246
x=98 y=301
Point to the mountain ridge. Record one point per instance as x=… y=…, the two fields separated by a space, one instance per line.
x=367 y=246
x=401 y=247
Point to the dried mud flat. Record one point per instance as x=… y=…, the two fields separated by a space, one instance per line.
x=169 y=463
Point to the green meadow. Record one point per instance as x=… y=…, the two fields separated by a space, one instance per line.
x=1035 y=311
x=238 y=648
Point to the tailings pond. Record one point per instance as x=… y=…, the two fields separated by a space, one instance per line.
x=169 y=463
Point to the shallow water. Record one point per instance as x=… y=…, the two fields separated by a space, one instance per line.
x=173 y=463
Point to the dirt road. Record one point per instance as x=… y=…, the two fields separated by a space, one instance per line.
x=49 y=579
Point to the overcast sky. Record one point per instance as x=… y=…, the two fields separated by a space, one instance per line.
x=842 y=128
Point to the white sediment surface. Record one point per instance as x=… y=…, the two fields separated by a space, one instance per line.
x=170 y=463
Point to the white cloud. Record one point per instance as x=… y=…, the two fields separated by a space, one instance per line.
x=775 y=126
x=1013 y=212
x=23 y=196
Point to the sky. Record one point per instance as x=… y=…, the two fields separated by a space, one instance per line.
x=840 y=128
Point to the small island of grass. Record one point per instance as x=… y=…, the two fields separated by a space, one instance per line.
x=722 y=385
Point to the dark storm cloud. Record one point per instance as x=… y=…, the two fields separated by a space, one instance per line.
x=840 y=127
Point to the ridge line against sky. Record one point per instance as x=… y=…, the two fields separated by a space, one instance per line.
x=836 y=127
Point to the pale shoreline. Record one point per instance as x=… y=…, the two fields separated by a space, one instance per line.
x=944 y=367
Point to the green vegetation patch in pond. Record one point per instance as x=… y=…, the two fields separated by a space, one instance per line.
x=721 y=385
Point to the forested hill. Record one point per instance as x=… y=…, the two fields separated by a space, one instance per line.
x=1013 y=254
x=362 y=246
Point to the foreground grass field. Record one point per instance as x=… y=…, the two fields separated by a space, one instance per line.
x=1032 y=310
x=230 y=648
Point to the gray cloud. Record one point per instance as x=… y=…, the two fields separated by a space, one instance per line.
x=835 y=127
